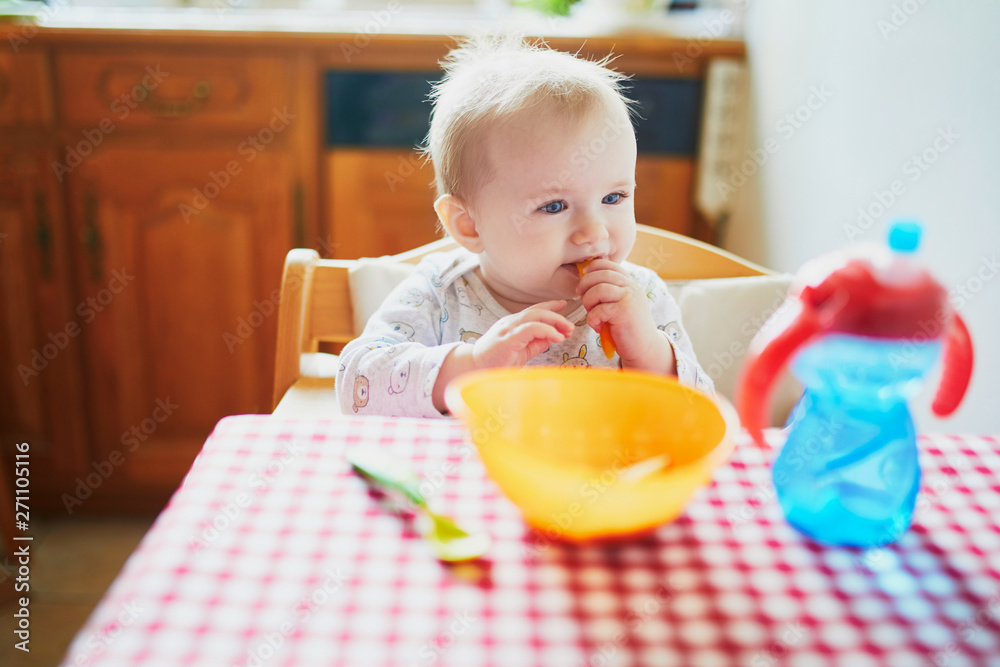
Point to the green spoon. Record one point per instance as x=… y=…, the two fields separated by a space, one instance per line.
x=449 y=542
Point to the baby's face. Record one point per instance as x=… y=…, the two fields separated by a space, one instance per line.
x=559 y=192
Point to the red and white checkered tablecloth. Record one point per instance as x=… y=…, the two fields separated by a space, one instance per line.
x=273 y=553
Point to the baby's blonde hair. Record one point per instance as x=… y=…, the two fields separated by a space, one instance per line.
x=490 y=79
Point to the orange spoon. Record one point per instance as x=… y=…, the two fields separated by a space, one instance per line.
x=607 y=343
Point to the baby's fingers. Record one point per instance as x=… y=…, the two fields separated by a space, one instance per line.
x=542 y=315
x=530 y=331
x=605 y=272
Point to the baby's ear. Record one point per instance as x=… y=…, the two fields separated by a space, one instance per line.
x=456 y=217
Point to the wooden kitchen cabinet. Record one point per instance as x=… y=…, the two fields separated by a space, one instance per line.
x=150 y=213
x=179 y=270
x=41 y=348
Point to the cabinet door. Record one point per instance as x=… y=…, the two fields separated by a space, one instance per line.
x=179 y=266
x=380 y=194
x=663 y=193
x=40 y=341
x=380 y=202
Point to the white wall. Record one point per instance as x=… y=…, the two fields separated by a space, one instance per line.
x=891 y=92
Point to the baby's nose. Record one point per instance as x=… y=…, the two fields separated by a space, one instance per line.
x=591 y=229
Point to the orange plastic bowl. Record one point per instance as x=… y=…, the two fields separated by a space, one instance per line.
x=566 y=446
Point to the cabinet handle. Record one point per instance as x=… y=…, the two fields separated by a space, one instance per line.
x=299 y=221
x=43 y=234
x=178 y=108
x=90 y=236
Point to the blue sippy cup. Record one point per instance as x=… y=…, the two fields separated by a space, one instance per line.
x=861 y=329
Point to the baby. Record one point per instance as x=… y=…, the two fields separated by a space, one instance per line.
x=534 y=155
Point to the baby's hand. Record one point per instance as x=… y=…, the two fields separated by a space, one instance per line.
x=518 y=338
x=611 y=296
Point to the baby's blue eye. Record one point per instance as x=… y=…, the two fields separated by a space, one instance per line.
x=612 y=198
x=553 y=207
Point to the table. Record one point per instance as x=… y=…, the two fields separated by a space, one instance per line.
x=273 y=553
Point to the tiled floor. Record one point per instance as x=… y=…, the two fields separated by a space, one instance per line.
x=73 y=562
